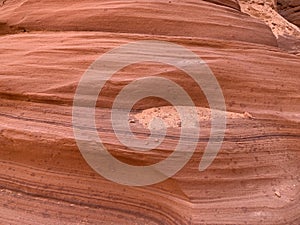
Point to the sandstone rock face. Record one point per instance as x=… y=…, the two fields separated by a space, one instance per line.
x=290 y=9
x=230 y=3
x=46 y=46
x=287 y=33
x=137 y=17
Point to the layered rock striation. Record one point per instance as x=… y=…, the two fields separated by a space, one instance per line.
x=46 y=46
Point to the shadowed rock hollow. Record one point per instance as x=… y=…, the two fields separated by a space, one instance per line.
x=46 y=46
x=290 y=9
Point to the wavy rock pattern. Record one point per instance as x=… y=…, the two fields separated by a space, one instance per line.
x=137 y=17
x=290 y=9
x=45 y=180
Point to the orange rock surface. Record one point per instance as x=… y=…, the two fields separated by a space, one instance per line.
x=45 y=48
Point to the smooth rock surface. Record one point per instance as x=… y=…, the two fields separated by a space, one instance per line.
x=137 y=17
x=45 y=180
